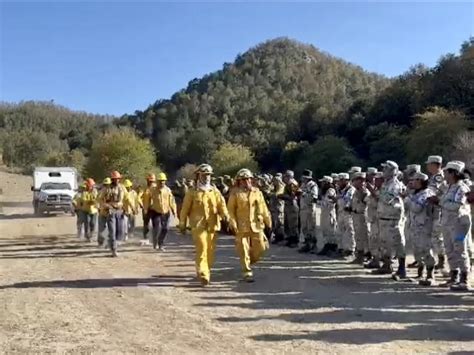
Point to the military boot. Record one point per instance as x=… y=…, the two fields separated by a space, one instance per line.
x=441 y=262
x=401 y=273
x=359 y=258
x=306 y=248
x=419 y=274
x=413 y=265
x=325 y=251
x=453 y=279
x=464 y=283
x=373 y=264
x=430 y=279
x=386 y=268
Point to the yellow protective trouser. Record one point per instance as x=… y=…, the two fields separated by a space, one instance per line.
x=205 y=243
x=250 y=247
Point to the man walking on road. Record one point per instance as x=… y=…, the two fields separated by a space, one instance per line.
x=162 y=206
x=249 y=216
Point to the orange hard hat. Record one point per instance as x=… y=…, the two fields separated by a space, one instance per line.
x=90 y=182
x=115 y=175
x=151 y=177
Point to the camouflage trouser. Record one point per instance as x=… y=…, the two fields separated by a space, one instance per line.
x=361 y=231
x=375 y=243
x=345 y=232
x=278 y=223
x=393 y=238
x=437 y=238
x=291 y=224
x=308 y=225
x=328 y=227
x=421 y=239
x=456 y=243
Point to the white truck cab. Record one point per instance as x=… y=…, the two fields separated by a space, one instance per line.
x=54 y=189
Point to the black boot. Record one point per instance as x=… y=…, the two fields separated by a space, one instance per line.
x=413 y=265
x=430 y=280
x=367 y=256
x=373 y=264
x=401 y=273
x=453 y=279
x=359 y=258
x=306 y=248
x=464 y=283
x=420 y=272
x=325 y=250
x=386 y=268
x=441 y=261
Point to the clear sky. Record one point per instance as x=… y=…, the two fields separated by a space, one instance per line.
x=118 y=57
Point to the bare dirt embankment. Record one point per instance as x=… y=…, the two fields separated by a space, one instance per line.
x=58 y=294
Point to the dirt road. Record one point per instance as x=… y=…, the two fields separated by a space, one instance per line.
x=58 y=294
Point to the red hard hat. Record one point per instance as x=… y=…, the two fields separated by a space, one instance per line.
x=90 y=182
x=115 y=175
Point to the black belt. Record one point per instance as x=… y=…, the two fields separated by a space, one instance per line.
x=388 y=219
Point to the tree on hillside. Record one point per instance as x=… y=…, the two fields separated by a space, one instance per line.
x=434 y=133
x=230 y=158
x=329 y=154
x=121 y=149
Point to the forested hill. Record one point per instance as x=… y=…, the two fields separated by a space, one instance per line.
x=274 y=93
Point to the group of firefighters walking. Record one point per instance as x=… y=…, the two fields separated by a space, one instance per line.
x=203 y=210
x=366 y=216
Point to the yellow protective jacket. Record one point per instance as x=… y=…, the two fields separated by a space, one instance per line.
x=144 y=198
x=76 y=201
x=162 y=200
x=248 y=211
x=130 y=203
x=89 y=201
x=204 y=209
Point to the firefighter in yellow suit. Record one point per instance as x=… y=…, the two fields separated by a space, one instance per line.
x=249 y=216
x=204 y=208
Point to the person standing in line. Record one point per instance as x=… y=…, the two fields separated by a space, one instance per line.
x=328 y=217
x=291 y=214
x=345 y=224
x=375 y=243
x=308 y=199
x=277 y=209
x=456 y=223
x=359 y=209
x=421 y=227
x=390 y=210
x=77 y=205
x=438 y=185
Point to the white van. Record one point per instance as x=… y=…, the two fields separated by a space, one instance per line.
x=53 y=189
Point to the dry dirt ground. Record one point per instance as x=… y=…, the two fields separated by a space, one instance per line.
x=59 y=294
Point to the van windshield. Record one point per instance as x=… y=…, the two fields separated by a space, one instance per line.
x=55 y=186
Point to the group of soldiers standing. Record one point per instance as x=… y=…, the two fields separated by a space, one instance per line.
x=366 y=217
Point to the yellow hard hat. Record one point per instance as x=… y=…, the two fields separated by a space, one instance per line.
x=127 y=183
x=107 y=181
x=161 y=177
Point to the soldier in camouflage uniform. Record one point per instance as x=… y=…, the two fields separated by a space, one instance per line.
x=345 y=224
x=328 y=216
x=277 y=209
x=308 y=199
x=359 y=208
x=290 y=196
x=437 y=184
